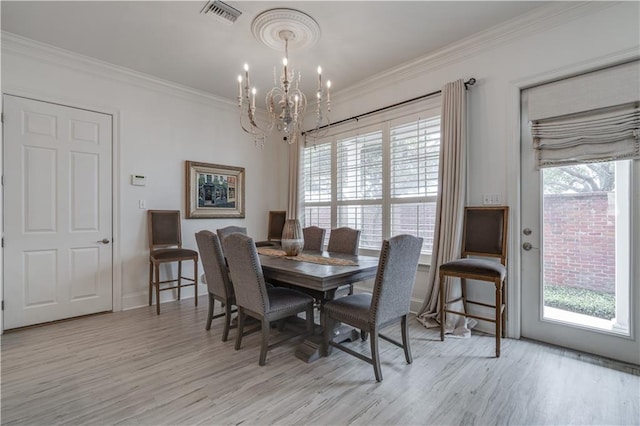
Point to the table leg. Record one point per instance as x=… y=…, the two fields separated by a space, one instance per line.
x=312 y=347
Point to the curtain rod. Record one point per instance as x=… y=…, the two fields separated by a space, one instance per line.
x=467 y=83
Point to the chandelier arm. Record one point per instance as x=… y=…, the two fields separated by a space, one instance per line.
x=253 y=128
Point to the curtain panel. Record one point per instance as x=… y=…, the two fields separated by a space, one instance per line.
x=449 y=208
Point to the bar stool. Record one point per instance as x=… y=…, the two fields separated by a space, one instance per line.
x=165 y=245
x=484 y=235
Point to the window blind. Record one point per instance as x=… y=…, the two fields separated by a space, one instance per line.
x=593 y=117
x=359 y=186
x=380 y=178
x=415 y=152
x=415 y=158
x=317 y=173
x=359 y=163
x=593 y=137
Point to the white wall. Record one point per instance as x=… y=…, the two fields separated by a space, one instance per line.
x=161 y=126
x=158 y=127
x=553 y=42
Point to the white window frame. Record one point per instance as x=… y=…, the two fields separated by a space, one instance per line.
x=424 y=110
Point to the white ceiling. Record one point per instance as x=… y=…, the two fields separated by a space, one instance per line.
x=172 y=40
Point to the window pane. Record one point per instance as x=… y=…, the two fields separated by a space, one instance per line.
x=359 y=165
x=586 y=222
x=368 y=219
x=318 y=216
x=415 y=219
x=415 y=152
x=317 y=173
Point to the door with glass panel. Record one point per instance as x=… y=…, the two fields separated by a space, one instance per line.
x=580 y=243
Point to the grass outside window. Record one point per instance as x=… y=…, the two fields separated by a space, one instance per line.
x=579 y=300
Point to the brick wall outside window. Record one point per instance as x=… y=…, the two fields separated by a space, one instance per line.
x=579 y=240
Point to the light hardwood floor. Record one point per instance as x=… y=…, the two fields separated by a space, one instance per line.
x=135 y=367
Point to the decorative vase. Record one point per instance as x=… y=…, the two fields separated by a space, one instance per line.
x=292 y=238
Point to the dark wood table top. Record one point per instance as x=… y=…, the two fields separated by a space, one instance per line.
x=318 y=277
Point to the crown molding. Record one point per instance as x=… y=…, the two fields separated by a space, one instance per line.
x=22 y=46
x=536 y=21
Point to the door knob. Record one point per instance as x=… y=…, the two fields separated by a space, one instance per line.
x=104 y=241
x=527 y=246
x=526 y=231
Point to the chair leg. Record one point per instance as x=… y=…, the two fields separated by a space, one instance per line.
x=443 y=314
x=498 y=319
x=210 y=314
x=504 y=312
x=463 y=293
x=195 y=281
x=157 y=285
x=179 y=278
x=240 y=328
x=227 y=322
x=375 y=357
x=405 y=340
x=266 y=326
x=150 y=283
x=350 y=290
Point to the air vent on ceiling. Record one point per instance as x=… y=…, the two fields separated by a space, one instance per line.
x=222 y=10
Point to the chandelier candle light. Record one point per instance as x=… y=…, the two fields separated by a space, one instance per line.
x=286 y=104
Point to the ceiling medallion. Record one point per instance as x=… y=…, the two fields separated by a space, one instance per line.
x=268 y=26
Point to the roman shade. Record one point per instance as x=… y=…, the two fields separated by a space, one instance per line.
x=589 y=118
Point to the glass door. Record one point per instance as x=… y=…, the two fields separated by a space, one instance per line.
x=580 y=247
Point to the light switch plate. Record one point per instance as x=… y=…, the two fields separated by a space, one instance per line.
x=138 y=180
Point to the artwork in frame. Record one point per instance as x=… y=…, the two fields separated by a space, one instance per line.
x=214 y=191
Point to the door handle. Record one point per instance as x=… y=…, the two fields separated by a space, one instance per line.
x=104 y=241
x=527 y=246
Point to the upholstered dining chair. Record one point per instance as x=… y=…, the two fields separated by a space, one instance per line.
x=344 y=240
x=313 y=238
x=388 y=304
x=484 y=236
x=228 y=230
x=165 y=246
x=275 y=226
x=217 y=276
x=255 y=299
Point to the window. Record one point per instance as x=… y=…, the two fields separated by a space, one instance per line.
x=415 y=155
x=317 y=186
x=381 y=179
x=359 y=186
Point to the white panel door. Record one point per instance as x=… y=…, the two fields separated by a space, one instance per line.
x=57 y=212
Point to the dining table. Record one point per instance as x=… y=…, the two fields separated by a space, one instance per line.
x=319 y=274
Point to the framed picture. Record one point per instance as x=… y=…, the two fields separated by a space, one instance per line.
x=214 y=191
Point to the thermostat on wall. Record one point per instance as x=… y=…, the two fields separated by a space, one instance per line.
x=138 y=180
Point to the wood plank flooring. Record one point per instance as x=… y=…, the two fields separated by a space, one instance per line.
x=136 y=368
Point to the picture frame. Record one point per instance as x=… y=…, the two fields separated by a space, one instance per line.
x=214 y=191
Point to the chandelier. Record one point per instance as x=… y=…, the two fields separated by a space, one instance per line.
x=286 y=104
